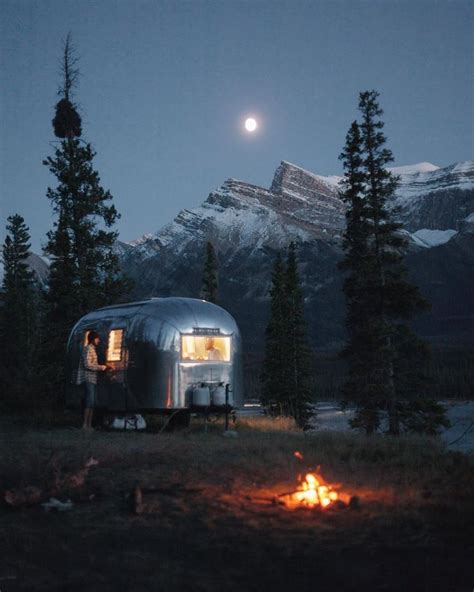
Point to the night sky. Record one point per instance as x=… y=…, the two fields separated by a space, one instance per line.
x=165 y=88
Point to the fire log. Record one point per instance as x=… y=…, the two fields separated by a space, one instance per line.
x=354 y=503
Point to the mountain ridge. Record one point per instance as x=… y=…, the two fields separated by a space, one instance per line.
x=307 y=198
x=249 y=224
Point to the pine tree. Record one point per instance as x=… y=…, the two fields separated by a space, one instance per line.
x=361 y=388
x=274 y=364
x=379 y=298
x=286 y=374
x=210 y=278
x=17 y=317
x=298 y=352
x=67 y=121
x=84 y=270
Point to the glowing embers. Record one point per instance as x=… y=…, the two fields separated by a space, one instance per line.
x=205 y=348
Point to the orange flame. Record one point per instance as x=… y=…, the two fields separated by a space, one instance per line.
x=313 y=491
x=298 y=454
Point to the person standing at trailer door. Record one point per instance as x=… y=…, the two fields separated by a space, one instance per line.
x=88 y=370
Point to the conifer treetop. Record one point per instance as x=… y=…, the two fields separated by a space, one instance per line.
x=70 y=73
x=67 y=121
x=16 y=249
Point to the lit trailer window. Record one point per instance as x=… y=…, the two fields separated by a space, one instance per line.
x=205 y=348
x=114 y=345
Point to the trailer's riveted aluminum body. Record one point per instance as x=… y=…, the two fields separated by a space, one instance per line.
x=151 y=374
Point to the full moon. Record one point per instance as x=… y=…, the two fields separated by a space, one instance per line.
x=250 y=124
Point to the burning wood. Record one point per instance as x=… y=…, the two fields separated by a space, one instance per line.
x=312 y=491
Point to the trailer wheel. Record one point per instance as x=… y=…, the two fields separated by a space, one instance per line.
x=179 y=420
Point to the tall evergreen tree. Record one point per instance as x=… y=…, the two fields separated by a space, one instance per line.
x=84 y=270
x=273 y=374
x=298 y=368
x=17 y=317
x=210 y=277
x=286 y=375
x=379 y=298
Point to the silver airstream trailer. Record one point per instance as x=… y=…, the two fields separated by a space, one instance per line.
x=164 y=355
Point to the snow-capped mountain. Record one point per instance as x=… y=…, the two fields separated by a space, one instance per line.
x=438 y=199
x=298 y=206
x=433 y=201
x=248 y=224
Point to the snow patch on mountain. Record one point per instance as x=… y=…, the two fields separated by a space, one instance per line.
x=426 y=237
x=411 y=169
x=415 y=184
x=141 y=239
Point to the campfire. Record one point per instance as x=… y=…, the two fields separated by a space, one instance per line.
x=312 y=491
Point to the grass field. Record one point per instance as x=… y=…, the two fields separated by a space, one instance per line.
x=209 y=523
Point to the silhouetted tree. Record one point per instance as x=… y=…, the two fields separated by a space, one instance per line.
x=273 y=374
x=210 y=277
x=18 y=317
x=67 y=121
x=84 y=270
x=298 y=379
x=379 y=298
x=286 y=374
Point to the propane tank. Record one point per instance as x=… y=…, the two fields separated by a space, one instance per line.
x=218 y=395
x=201 y=396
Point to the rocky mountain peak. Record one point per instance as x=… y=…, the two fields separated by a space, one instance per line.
x=294 y=181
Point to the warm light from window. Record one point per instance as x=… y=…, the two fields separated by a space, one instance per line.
x=114 y=346
x=202 y=348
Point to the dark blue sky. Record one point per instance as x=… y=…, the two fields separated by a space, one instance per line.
x=165 y=87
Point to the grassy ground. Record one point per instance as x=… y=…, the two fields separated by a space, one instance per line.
x=210 y=524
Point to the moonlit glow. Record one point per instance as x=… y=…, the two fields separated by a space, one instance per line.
x=250 y=124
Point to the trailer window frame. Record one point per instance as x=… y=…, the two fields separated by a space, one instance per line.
x=227 y=342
